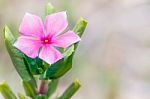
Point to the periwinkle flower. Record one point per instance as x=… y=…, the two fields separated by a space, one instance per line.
x=39 y=40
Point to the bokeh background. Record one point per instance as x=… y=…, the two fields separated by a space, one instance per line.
x=113 y=58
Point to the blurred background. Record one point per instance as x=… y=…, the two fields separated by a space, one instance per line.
x=113 y=58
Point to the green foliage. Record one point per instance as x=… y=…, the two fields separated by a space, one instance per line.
x=59 y=68
x=21 y=96
x=28 y=67
x=52 y=87
x=6 y=91
x=41 y=97
x=71 y=90
x=35 y=65
x=16 y=56
x=30 y=89
x=49 y=9
x=80 y=26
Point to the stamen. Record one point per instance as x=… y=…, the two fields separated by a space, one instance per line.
x=46 y=41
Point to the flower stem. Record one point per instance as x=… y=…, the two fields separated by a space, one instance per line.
x=43 y=88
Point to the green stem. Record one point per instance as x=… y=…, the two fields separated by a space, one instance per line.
x=43 y=88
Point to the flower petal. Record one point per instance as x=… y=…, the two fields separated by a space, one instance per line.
x=56 y=23
x=50 y=55
x=66 y=39
x=28 y=46
x=31 y=25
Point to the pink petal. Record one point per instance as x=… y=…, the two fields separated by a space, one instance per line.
x=66 y=39
x=56 y=23
x=31 y=25
x=28 y=46
x=50 y=55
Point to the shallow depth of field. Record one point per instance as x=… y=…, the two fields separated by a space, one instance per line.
x=113 y=58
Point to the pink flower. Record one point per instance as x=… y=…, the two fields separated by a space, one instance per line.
x=39 y=40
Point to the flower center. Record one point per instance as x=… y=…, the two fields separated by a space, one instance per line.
x=46 y=40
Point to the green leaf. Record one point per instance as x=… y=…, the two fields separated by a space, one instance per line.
x=56 y=70
x=41 y=97
x=21 y=96
x=59 y=68
x=35 y=65
x=71 y=90
x=69 y=51
x=30 y=89
x=80 y=28
x=49 y=9
x=59 y=49
x=52 y=87
x=32 y=65
x=16 y=55
x=6 y=91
